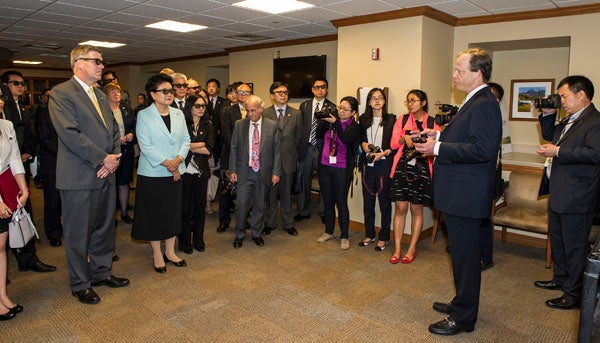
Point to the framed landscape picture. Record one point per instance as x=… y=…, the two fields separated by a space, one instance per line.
x=522 y=92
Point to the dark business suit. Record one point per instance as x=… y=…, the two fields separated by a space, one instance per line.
x=124 y=174
x=574 y=185
x=215 y=117
x=176 y=101
x=463 y=183
x=290 y=134
x=88 y=202
x=307 y=154
x=252 y=185
x=229 y=116
x=48 y=141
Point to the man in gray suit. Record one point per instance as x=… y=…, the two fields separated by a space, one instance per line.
x=289 y=125
x=88 y=155
x=255 y=164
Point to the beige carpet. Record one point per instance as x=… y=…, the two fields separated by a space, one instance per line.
x=291 y=290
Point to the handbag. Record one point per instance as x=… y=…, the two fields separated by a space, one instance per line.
x=9 y=190
x=21 y=229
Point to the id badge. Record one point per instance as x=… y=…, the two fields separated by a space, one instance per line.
x=371 y=164
x=332 y=159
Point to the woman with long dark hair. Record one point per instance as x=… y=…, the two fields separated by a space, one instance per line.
x=197 y=173
x=377 y=126
x=411 y=174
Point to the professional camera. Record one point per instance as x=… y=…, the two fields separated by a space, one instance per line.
x=412 y=152
x=447 y=112
x=325 y=111
x=552 y=101
x=420 y=139
x=372 y=150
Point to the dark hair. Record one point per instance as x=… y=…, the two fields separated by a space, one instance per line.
x=352 y=101
x=578 y=83
x=106 y=72
x=187 y=109
x=276 y=85
x=480 y=60
x=366 y=119
x=6 y=75
x=200 y=91
x=215 y=81
x=156 y=80
x=46 y=90
x=230 y=88
x=422 y=96
x=144 y=95
x=497 y=88
x=321 y=79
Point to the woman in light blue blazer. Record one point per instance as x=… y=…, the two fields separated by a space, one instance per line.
x=164 y=142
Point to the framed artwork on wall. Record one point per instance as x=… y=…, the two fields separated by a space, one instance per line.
x=523 y=92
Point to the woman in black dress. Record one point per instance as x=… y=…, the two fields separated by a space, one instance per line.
x=197 y=173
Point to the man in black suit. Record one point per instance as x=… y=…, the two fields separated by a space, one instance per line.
x=180 y=85
x=255 y=164
x=572 y=177
x=308 y=152
x=14 y=85
x=463 y=183
x=230 y=115
x=89 y=148
x=215 y=106
x=48 y=141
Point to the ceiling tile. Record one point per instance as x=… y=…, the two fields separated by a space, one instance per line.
x=57 y=18
x=313 y=29
x=243 y=27
x=194 y=6
x=107 y=25
x=234 y=13
x=276 y=21
x=154 y=12
x=316 y=14
x=32 y=5
x=456 y=8
x=205 y=20
x=78 y=11
x=361 y=7
x=109 y=5
x=44 y=25
x=129 y=19
x=15 y=12
x=524 y=8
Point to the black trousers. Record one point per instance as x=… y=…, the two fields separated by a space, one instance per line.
x=52 y=212
x=192 y=214
x=334 y=184
x=486 y=241
x=375 y=185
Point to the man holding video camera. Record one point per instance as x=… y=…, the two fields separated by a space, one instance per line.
x=463 y=181
x=572 y=178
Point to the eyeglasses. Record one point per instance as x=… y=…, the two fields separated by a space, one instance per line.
x=281 y=93
x=194 y=88
x=323 y=87
x=340 y=108
x=199 y=106
x=377 y=99
x=180 y=85
x=95 y=60
x=244 y=92
x=17 y=83
x=165 y=91
x=412 y=101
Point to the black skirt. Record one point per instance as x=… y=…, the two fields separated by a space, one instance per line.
x=4 y=224
x=124 y=174
x=412 y=183
x=157 y=208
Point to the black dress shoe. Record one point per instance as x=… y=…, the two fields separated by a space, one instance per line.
x=448 y=327
x=562 y=303
x=485 y=265
x=127 y=219
x=291 y=231
x=55 y=242
x=7 y=316
x=180 y=263
x=258 y=241
x=188 y=249
x=115 y=258
x=551 y=285
x=39 y=267
x=267 y=230
x=300 y=217
x=161 y=270
x=221 y=228
x=112 y=282
x=238 y=242
x=16 y=309
x=87 y=296
x=442 y=307
x=199 y=248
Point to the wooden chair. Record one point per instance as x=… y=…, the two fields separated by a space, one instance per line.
x=523 y=210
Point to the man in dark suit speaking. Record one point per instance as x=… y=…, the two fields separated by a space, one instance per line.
x=572 y=176
x=463 y=183
x=255 y=164
x=89 y=149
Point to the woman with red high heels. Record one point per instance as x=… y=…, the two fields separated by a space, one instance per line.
x=411 y=175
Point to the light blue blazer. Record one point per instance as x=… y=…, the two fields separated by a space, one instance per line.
x=158 y=144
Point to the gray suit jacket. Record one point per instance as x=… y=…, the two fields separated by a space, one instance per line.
x=83 y=140
x=270 y=161
x=290 y=136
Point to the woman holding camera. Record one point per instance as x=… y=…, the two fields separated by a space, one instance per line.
x=377 y=126
x=411 y=174
x=338 y=139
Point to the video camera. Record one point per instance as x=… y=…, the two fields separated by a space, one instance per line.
x=325 y=111
x=447 y=112
x=551 y=101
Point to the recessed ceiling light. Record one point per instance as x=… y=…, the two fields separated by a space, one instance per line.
x=102 y=44
x=27 y=62
x=176 y=26
x=273 y=7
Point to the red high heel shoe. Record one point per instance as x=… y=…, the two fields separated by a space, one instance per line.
x=394 y=259
x=407 y=260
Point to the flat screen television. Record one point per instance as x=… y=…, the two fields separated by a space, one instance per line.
x=299 y=73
